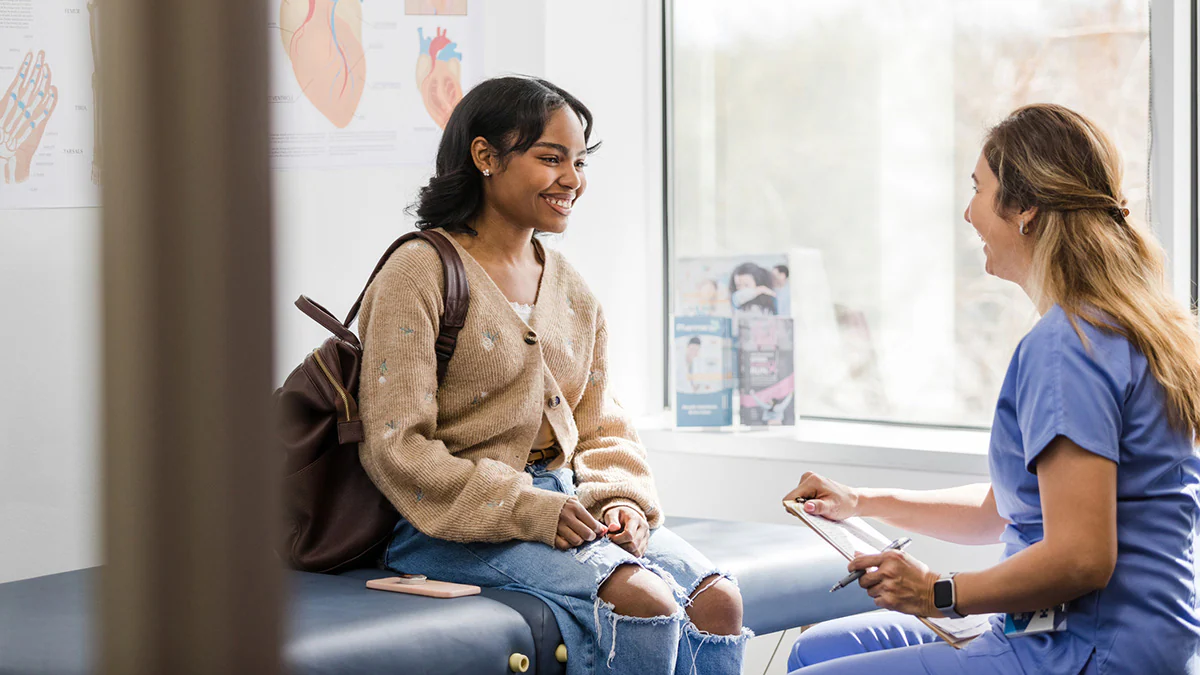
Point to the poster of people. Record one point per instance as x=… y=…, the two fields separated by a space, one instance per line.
x=733 y=286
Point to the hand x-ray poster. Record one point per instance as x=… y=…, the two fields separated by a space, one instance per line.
x=49 y=145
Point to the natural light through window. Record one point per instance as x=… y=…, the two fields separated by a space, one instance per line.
x=837 y=139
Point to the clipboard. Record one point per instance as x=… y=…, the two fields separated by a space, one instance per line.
x=855 y=534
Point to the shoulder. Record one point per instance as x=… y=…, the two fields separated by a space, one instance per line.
x=413 y=271
x=414 y=262
x=415 y=258
x=1060 y=342
x=568 y=276
x=1048 y=333
x=572 y=284
x=1058 y=330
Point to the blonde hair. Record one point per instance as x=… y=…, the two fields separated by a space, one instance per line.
x=1091 y=260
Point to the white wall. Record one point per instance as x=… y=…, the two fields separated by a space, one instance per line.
x=331 y=226
x=50 y=341
x=608 y=54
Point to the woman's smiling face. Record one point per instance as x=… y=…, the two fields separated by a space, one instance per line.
x=1008 y=253
x=538 y=188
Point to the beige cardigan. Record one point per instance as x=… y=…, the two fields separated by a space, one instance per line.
x=452 y=459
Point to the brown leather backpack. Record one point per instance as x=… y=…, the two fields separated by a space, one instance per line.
x=336 y=518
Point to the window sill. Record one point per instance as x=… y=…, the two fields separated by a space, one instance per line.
x=831 y=442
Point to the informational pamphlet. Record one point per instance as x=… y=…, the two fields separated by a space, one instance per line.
x=703 y=371
x=766 y=371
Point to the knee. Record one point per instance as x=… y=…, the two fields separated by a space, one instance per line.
x=800 y=656
x=633 y=590
x=816 y=644
x=825 y=642
x=717 y=607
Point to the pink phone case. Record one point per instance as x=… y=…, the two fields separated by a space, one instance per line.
x=430 y=588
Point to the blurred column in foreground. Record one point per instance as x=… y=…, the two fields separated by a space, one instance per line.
x=189 y=583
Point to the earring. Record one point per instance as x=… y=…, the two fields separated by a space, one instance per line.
x=1024 y=230
x=487 y=172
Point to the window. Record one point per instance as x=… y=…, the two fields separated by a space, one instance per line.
x=843 y=135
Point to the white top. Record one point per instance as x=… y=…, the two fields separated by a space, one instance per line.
x=523 y=311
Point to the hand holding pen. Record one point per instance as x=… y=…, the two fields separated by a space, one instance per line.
x=898 y=545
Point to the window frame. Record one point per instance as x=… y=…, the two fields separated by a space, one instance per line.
x=1175 y=29
x=1194 y=178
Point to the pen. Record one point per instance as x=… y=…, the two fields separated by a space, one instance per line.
x=900 y=544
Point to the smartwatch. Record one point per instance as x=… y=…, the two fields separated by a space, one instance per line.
x=944 y=597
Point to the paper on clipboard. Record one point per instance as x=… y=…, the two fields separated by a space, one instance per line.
x=847 y=536
x=961 y=630
x=855 y=534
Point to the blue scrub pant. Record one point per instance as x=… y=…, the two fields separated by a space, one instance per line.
x=897 y=644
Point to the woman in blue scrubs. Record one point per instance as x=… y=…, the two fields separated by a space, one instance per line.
x=1094 y=473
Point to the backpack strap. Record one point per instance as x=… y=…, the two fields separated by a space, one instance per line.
x=326 y=318
x=455 y=303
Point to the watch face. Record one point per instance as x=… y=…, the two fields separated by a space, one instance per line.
x=943 y=593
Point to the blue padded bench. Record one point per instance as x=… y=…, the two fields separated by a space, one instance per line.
x=337 y=626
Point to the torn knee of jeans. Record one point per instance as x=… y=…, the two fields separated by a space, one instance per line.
x=677 y=590
x=679 y=615
x=599 y=603
x=705 y=582
x=691 y=630
x=672 y=585
x=676 y=617
x=696 y=640
x=616 y=621
x=608 y=574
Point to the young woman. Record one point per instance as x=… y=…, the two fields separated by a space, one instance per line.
x=1094 y=474
x=521 y=471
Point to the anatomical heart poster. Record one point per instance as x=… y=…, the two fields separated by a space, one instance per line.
x=49 y=150
x=368 y=83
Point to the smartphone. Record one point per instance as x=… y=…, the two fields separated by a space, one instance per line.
x=423 y=586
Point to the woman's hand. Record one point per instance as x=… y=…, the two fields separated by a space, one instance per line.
x=824 y=497
x=632 y=530
x=899 y=582
x=576 y=525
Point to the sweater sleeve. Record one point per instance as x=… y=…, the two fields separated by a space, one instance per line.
x=610 y=462
x=442 y=495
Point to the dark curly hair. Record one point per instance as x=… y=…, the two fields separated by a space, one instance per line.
x=510 y=113
x=761 y=278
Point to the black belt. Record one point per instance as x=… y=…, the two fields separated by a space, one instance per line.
x=543 y=454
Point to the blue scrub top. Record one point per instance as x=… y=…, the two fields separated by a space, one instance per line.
x=1105 y=399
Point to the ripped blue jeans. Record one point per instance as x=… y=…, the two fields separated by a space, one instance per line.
x=598 y=640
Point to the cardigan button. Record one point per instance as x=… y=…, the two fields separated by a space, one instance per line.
x=554 y=401
x=531 y=338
